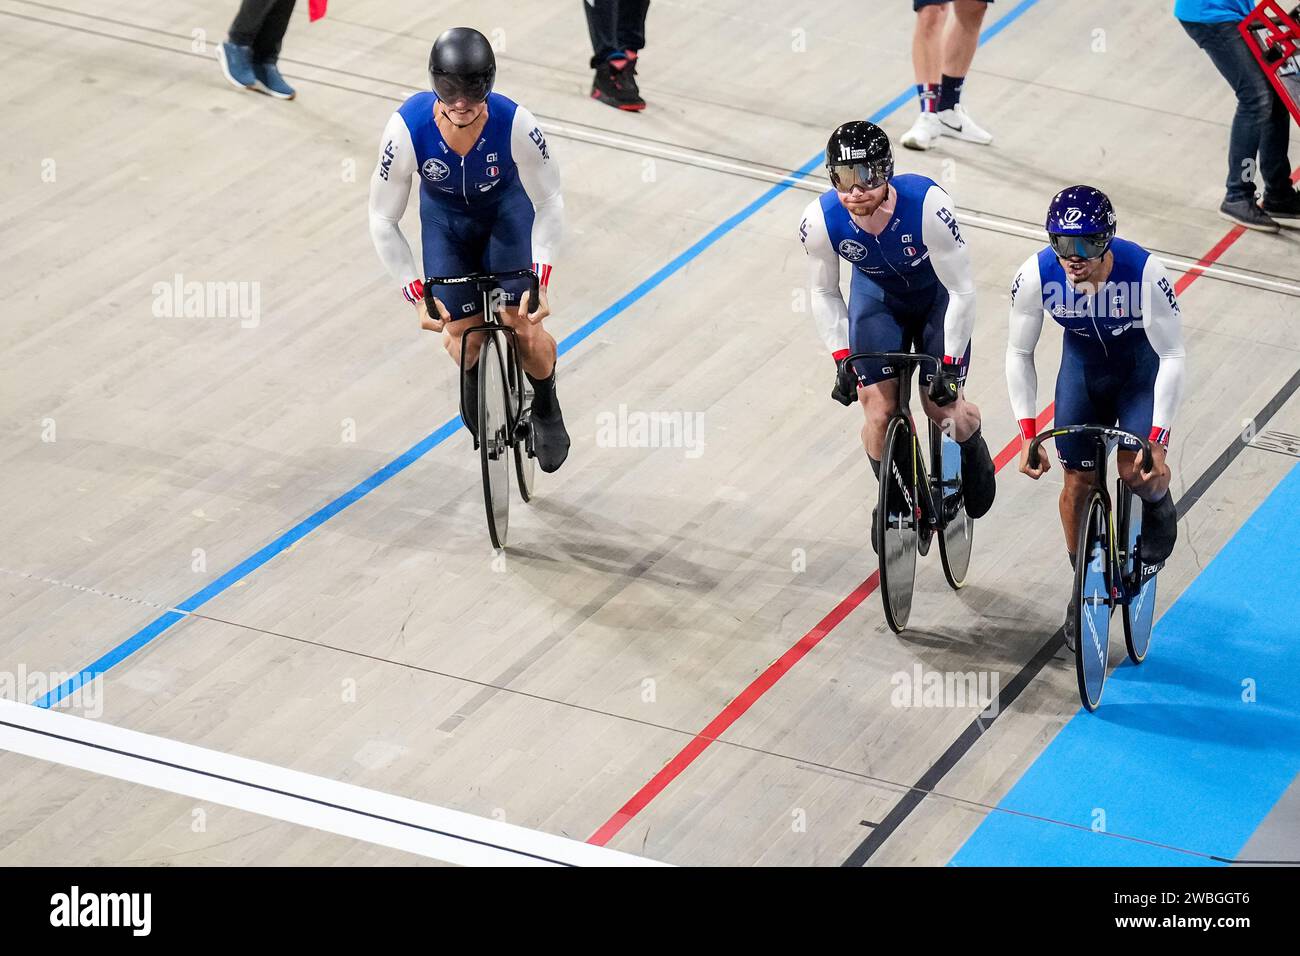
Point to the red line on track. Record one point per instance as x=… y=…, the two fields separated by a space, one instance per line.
x=778 y=668
x=1198 y=270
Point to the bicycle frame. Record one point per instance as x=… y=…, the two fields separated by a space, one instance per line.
x=907 y=363
x=486 y=283
x=1100 y=434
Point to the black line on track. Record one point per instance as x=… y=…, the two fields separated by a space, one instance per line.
x=284 y=793
x=929 y=780
x=1232 y=862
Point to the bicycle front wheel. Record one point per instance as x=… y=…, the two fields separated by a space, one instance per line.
x=494 y=444
x=896 y=523
x=1092 y=601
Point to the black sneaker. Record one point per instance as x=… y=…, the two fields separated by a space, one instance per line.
x=609 y=88
x=625 y=74
x=604 y=88
x=979 y=479
x=1283 y=209
x=1244 y=212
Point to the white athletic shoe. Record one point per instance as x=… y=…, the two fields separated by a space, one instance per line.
x=925 y=132
x=957 y=122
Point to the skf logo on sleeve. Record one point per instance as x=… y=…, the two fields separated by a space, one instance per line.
x=948 y=219
x=386 y=163
x=1015 y=286
x=540 y=141
x=1164 y=286
x=803 y=234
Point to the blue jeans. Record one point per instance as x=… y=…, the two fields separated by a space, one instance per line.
x=1262 y=125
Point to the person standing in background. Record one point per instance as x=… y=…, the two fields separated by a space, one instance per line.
x=617 y=30
x=248 y=58
x=940 y=60
x=1261 y=126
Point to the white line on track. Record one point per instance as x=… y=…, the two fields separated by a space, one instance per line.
x=704 y=160
x=978 y=220
x=282 y=794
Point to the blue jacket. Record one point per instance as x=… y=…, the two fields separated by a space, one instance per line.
x=1213 y=11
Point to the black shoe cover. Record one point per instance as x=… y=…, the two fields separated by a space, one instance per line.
x=470 y=418
x=550 y=440
x=979 y=479
x=1159 y=529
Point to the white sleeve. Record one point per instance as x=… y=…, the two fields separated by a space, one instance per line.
x=539 y=174
x=390 y=187
x=829 y=310
x=1026 y=326
x=1163 y=322
x=951 y=261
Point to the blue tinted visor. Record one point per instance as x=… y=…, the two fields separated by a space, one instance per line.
x=1082 y=247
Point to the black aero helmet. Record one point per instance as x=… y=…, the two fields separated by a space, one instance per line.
x=858 y=154
x=462 y=64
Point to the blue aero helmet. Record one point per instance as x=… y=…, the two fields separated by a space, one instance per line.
x=1080 y=223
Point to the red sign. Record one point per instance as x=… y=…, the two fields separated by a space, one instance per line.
x=1273 y=35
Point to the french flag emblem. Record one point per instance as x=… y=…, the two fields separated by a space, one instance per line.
x=494 y=171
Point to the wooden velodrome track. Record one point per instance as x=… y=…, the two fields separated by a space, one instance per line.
x=612 y=677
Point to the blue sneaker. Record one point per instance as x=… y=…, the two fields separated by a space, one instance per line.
x=271 y=82
x=237 y=63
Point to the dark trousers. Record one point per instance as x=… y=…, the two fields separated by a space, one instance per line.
x=615 y=25
x=261 y=24
x=1261 y=126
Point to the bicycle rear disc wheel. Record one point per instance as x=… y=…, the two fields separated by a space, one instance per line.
x=958 y=528
x=1140 y=608
x=525 y=464
x=494 y=439
x=896 y=524
x=1092 y=605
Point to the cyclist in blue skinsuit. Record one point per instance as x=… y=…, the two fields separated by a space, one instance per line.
x=489 y=202
x=911 y=286
x=1121 y=362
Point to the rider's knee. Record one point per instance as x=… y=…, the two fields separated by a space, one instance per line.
x=1078 y=482
x=930 y=19
x=877 y=410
